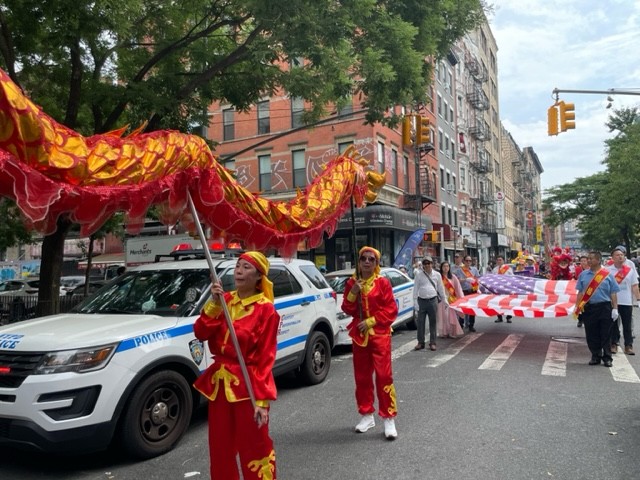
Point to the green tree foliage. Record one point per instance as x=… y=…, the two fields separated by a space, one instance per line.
x=96 y=65
x=604 y=203
x=12 y=227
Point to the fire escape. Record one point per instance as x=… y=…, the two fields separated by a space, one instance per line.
x=480 y=131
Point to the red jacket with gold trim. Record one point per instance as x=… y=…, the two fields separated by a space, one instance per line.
x=256 y=324
x=379 y=308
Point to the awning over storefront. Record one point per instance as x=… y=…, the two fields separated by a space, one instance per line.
x=103 y=261
x=385 y=216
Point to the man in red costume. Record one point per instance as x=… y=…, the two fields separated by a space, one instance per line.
x=368 y=298
x=235 y=426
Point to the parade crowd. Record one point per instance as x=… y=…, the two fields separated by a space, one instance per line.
x=239 y=395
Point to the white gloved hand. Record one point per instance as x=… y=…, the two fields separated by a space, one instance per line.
x=638 y=304
x=614 y=314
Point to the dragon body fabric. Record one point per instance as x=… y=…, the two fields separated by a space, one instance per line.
x=51 y=170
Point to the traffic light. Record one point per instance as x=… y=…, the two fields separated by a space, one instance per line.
x=406 y=131
x=423 y=132
x=431 y=236
x=552 y=120
x=567 y=116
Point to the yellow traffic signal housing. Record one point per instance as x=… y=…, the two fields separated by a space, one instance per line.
x=552 y=120
x=406 y=131
x=431 y=236
x=567 y=116
x=423 y=132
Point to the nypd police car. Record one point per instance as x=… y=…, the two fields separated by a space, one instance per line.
x=122 y=364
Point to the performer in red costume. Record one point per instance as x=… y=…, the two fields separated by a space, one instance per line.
x=561 y=267
x=369 y=300
x=235 y=427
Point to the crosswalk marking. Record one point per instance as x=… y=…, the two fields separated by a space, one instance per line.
x=555 y=363
x=500 y=355
x=622 y=370
x=453 y=350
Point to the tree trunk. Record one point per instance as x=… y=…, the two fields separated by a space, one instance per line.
x=87 y=272
x=51 y=269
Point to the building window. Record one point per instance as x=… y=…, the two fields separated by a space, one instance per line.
x=380 y=157
x=229 y=165
x=450 y=214
x=443 y=214
x=297 y=110
x=343 y=146
x=299 y=168
x=448 y=181
x=463 y=179
x=228 y=126
x=453 y=183
x=347 y=109
x=455 y=217
x=440 y=141
x=265 y=172
x=439 y=105
x=394 y=167
x=442 y=178
x=435 y=182
x=264 y=120
x=405 y=161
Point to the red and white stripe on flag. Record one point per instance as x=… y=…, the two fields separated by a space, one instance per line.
x=520 y=297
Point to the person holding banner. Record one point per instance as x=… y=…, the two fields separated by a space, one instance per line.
x=627 y=278
x=236 y=427
x=448 y=320
x=597 y=301
x=468 y=276
x=368 y=298
x=502 y=268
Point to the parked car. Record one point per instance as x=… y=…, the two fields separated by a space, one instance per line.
x=18 y=298
x=122 y=363
x=402 y=291
x=68 y=284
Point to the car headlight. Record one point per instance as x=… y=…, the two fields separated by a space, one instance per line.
x=79 y=360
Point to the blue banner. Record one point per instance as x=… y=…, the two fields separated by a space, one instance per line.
x=405 y=256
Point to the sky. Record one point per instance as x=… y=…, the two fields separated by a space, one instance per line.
x=565 y=44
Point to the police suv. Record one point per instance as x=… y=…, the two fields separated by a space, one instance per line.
x=121 y=365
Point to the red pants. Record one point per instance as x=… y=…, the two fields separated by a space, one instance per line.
x=375 y=357
x=233 y=431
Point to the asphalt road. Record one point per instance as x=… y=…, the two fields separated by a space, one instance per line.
x=513 y=401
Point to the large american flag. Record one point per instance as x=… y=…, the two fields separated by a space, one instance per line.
x=520 y=296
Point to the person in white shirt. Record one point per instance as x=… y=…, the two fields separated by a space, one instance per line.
x=427 y=292
x=627 y=278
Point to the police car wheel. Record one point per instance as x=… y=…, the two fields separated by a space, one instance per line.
x=157 y=415
x=317 y=359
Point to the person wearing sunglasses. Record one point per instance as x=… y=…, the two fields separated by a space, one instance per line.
x=368 y=298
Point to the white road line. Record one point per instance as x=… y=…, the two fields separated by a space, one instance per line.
x=403 y=350
x=622 y=370
x=453 y=350
x=500 y=355
x=555 y=363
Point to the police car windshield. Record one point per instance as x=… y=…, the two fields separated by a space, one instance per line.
x=159 y=292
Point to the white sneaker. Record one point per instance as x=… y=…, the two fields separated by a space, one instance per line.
x=390 y=431
x=366 y=422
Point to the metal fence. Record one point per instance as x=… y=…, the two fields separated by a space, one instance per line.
x=14 y=308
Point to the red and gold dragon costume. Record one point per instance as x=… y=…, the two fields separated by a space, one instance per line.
x=51 y=170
